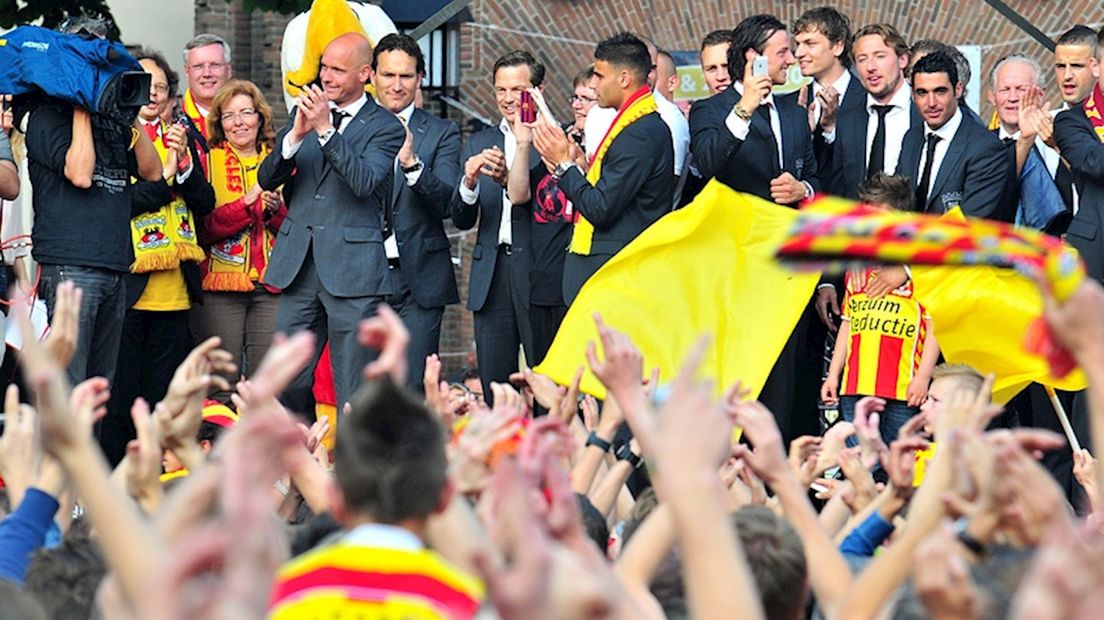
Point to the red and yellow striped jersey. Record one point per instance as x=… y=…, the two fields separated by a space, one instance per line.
x=886 y=339
x=346 y=580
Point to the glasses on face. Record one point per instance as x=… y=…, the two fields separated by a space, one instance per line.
x=245 y=115
x=580 y=99
x=160 y=88
x=207 y=66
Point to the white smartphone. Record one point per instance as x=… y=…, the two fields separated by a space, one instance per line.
x=759 y=66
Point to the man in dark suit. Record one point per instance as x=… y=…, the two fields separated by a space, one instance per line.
x=418 y=256
x=636 y=186
x=747 y=138
x=759 y=144
x=1081 y=147
x=495 y=192
x=949 y=162
x=335 y=159
x=823 y=38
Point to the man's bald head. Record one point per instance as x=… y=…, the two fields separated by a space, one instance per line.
x=346 y=67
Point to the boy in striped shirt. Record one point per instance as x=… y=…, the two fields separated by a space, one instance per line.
x=885 y=346
x=390 y=465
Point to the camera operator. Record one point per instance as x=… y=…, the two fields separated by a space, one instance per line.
x=81 y=165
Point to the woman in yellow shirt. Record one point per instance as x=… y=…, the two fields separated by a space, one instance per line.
x=238 y=235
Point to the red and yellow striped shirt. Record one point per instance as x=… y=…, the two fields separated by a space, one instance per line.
x=347 y=580
x=886 y=339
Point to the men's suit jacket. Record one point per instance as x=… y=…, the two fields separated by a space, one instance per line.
x=848 y=162
x=336 y=196
x=636 y=188
x=977 y=173
x=487 y=211
x=1083 y=150
x=748 y=165
x=418 y=210
x=853 y=102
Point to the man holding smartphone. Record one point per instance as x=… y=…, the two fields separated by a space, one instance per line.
x=495 y=192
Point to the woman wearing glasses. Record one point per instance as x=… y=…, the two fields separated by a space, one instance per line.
x=239 y=234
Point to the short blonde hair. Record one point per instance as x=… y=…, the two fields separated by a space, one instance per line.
x=964 y=375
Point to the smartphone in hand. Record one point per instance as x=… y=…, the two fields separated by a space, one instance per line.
x=527 y=108
x=759 y=66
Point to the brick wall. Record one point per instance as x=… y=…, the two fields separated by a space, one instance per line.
x=562 y=34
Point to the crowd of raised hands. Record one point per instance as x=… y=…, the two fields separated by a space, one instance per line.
x=542 y=510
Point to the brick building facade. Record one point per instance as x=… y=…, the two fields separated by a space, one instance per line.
x=562 y=34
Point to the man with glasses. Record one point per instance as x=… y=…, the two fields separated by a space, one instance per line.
x=207 y=65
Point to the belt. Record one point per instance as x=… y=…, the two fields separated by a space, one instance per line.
x=506 y=248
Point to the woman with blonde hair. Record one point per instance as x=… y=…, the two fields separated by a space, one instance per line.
x=239 y=234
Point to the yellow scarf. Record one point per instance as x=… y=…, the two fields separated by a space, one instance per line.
x=192 y=110
x=163 y=238
x=232 y=265
x=639 y=104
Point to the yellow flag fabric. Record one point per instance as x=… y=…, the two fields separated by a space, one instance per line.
x=582 y=233
x=980 y=316
x=706 y=268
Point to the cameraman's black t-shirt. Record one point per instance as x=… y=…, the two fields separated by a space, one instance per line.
x=551 y=234
x=74 y=226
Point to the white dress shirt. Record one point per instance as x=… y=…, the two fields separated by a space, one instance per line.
x=390 y=244
x=680 y=128
x=897 y=123
x=597 y=125
x=740 y=128
x=840 y=85
x=288 y=149
x=947 y=133
x=471 y=196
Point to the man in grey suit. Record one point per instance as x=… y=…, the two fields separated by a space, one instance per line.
x=335 y=161
x=427 y=167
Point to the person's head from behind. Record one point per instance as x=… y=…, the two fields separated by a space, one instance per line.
x=666 y=74
x=776 y=559
x=389 y=460
x=1012 y=78
x=823 y=38
x=880 y=57
x=760 y=35
x=887 y=191
x=207 y=65
x=714 y=60
x=216 y=421
x=936 y=88
x=621 y=64
x=514 y=73
x=946 y=380
x=1076 y=64
x=64 y=579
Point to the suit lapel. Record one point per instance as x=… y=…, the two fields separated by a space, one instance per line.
x=421 y=147
x=955 y=150
x=353 y=128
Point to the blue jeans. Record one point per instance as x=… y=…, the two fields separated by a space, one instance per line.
x=103 y=306
x=896 y=413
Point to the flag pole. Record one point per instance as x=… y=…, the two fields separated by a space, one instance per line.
x=1063 y=418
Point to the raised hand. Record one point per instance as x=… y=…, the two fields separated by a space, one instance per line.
x=61 y=342
x=386 y=333
x=622 y=370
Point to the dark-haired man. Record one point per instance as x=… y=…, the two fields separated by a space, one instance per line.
x=950 y=162
x=629 y=185
x=495 y=191
x=426 y=168
x=390 y=466
x=714 y=60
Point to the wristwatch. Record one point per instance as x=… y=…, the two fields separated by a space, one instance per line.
x=964 y=537
x=740 y=112
x=562 y=168
x=625 y=453
x=594 y=440
x=414 y=167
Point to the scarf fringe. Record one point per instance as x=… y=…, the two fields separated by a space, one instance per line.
x=190 y=252
x=157 y=261
x=226 y=281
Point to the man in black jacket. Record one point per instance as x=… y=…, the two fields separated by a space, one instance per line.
x=428 y=164
x=636 y=186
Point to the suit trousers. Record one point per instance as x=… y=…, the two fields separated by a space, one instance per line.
x=306 y=305
x=243 y=321
x=424 y=325
x=545 y=322
x=152 y=346
x=502 y=324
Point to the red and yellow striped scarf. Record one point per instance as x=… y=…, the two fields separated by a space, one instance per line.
x=638 y=105
x=1094 y=108
x=235 y=263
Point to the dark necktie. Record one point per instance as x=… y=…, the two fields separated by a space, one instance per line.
x=1063 y=178
x=877 y=147
x=1009 y=141
x=764 y=112
x=337 y=117
x=925 y=178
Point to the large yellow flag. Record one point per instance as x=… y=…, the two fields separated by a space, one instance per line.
x=707 y=268
x=980 y=316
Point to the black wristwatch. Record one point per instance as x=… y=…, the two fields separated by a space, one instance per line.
x=594 y=440
x=414 y=167
x=625 y=453
x=964 y=537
